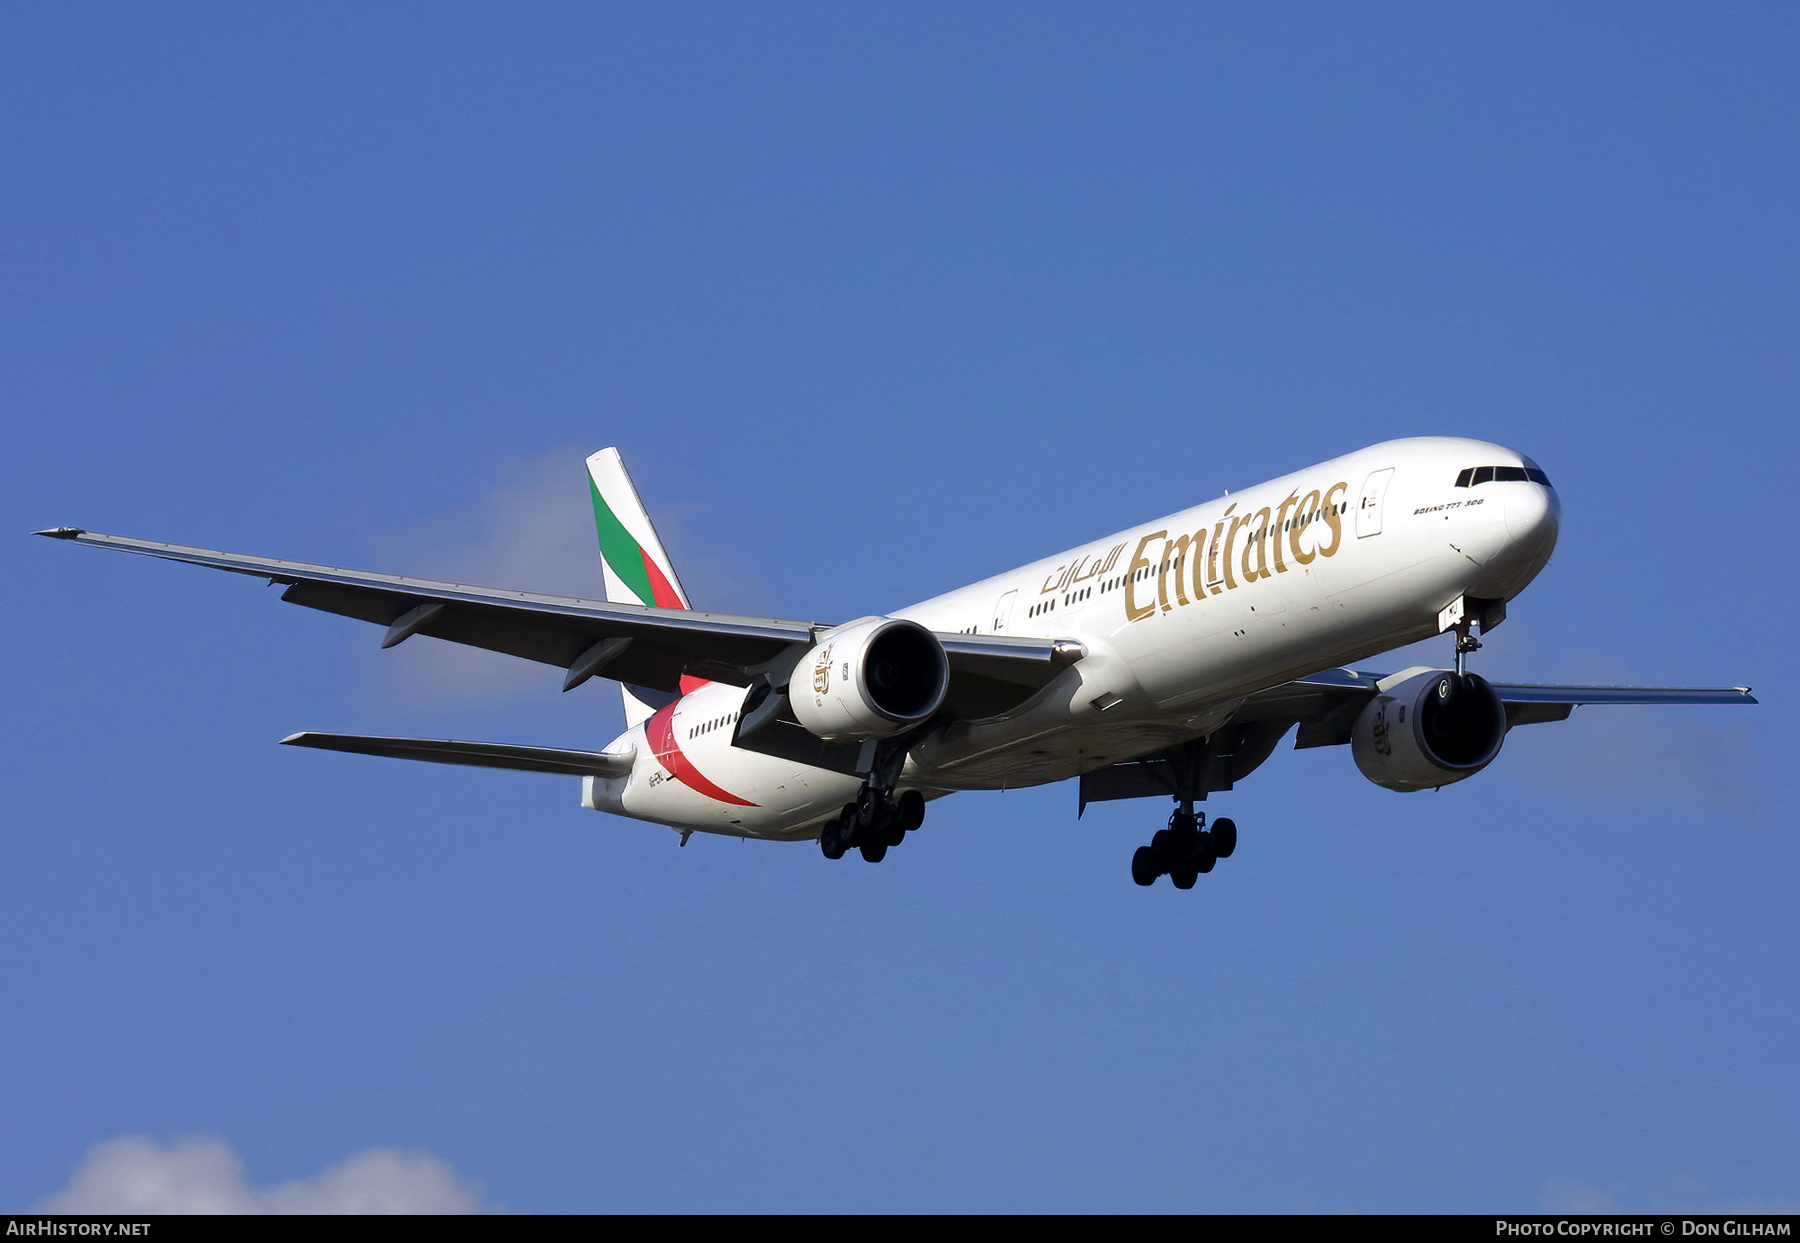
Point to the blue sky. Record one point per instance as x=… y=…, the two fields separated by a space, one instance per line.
x=876 y=301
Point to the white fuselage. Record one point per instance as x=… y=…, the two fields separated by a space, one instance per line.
x=1181 y=618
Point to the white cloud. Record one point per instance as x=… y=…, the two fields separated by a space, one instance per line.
x=1702 y=754
x=533 y=532
x=1651 y=753
x=1776 y=1207
x=202 y=1174
x=1576 y=1199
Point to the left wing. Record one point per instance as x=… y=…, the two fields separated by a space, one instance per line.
x=637 y=644
x=1326 y=705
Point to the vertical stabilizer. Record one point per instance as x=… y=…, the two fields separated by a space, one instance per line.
x=637 y=569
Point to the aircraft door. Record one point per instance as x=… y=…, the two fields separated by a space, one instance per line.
x=1003 y=611
x=1368 y=509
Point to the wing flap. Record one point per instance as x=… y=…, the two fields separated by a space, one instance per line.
x=1020 y=660
x=1531 y=714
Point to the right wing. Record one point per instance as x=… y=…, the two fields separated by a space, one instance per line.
x=636 y=644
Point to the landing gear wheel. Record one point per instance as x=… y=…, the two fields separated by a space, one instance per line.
x=909 y=811
x=1183 y=878
x=1143 y=866
x=874 y=852
x=1204 y=858
x=831 y=841
x=1224 y=836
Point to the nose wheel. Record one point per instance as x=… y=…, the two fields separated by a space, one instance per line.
x=1184 y=850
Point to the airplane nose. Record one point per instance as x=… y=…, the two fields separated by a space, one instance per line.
x=1531 y=514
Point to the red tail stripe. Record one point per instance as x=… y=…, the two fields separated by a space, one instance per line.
x=660 y=731
x=662 y=591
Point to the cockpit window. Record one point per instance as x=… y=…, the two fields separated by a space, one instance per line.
x=1472 y=476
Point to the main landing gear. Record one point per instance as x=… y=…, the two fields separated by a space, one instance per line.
x=1190 y=771
x=1184 y=849
x=872 y=824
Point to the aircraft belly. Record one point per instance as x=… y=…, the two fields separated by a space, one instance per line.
x=1191 y=665
x=1053 y=755
x=1402 y=601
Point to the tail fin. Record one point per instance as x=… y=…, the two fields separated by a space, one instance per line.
x=637 y=569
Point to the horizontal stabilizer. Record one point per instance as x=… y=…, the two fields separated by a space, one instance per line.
x=480 y=754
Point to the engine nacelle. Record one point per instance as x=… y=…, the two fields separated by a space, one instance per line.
x=1434 y=728
x=870 y=679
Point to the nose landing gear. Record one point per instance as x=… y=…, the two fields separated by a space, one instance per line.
x=1466 y=642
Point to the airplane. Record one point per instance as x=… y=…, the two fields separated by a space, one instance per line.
x=1163 y=661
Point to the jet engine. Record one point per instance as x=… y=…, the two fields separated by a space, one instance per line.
x=1429 y=730
x=869 y=679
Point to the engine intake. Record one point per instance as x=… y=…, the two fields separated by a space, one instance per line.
x=870 y=679
x=1431 y=729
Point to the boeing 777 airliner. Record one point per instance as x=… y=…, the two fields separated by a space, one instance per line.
x=1167 y=660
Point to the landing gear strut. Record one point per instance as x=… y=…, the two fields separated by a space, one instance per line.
x=872 y=824
x=1466 y=642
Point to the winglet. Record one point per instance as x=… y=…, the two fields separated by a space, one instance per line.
x=62 y=532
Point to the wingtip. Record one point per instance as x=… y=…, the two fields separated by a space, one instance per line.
x=61 y=532
x=294 y=740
